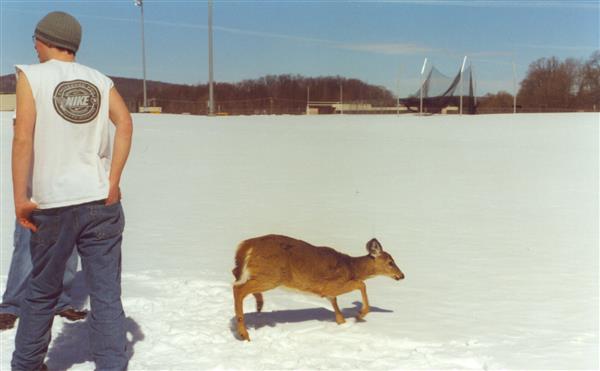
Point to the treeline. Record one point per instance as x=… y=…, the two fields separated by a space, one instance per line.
x=266 y=95
x=552 y=85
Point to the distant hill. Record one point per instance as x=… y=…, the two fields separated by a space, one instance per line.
x=269 y=94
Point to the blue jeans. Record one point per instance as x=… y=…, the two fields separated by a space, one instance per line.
x=20 y=270
x=96 y=230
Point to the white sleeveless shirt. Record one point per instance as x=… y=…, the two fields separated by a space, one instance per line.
x=72 y=147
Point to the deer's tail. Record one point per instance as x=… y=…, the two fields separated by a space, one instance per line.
x=240 y=272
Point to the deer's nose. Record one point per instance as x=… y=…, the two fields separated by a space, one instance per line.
x=399 y=277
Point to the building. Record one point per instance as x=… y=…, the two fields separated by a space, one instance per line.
x=320 y=108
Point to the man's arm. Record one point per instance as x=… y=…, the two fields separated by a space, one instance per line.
x=22 y=151
x=119 y=115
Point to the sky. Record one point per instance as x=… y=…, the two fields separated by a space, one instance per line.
x=380 y=42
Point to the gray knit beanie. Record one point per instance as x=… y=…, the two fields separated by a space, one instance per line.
x=59 y=29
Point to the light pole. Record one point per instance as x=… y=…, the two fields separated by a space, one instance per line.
x=422 y=86
x=514 y=87
x=308 y=100
x=398 y=100
x=474 y=80
x=211 y=100
x=140 y=3
x=341 y=99
x=462 y=68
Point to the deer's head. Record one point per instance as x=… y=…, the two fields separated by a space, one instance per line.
x=384 y=263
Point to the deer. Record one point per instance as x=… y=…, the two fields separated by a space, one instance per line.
x=264 y=263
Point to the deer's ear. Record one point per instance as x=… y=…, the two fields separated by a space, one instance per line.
x=374 y=248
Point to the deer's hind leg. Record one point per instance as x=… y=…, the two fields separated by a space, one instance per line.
x=238 y=298
x=259 y=301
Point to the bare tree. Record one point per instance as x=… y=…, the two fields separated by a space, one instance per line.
x=548 y=85
x=554 y=85
x=589 y=88
x=499 y=102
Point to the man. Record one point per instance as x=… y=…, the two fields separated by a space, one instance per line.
x=18 y=276
x=61 y=148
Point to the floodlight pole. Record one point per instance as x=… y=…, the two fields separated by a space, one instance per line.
x=514 y=87
x=341 y=99
x=462 y=68
x=307 y=100
x=422 y=86
x=140 y=3
x=398 y=100
x=211 y=99
x=474 y=85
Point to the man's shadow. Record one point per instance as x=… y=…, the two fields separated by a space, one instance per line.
x=72 y=346
x=257 y=320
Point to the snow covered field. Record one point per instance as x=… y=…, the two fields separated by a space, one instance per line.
x=493 y=219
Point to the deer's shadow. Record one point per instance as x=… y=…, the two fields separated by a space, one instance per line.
x=256 y=320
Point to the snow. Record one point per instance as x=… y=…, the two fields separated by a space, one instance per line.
x=493 y=219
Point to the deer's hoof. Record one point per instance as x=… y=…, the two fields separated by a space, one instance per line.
x=340 y=320
x=244 y=335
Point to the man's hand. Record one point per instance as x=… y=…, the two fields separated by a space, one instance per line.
x=114 y=195
x=23 y=212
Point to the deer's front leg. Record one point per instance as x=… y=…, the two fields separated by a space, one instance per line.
x=339 y=318
x=365 y=308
